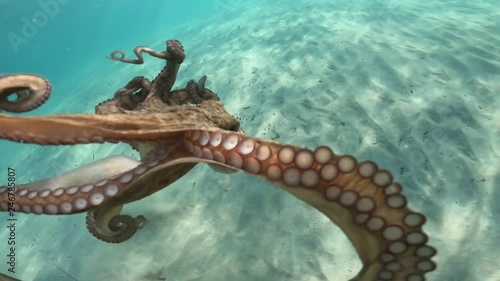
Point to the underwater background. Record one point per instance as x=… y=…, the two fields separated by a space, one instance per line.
x=412 y=85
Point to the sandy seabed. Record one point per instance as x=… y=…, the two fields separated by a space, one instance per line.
x=413 y=86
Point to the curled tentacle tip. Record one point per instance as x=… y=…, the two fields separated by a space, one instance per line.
x=141 y=221
x=29 y=90
x=117 y=55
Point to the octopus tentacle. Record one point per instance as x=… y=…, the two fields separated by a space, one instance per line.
x=174 y=52
x=106 y=224
x=163 y=83
x=197 y=91
x=361 y=199
x=84 y=176
x=85 y=128
x=206 y=93
x=104 y=197
x=201 y=84
x=82 y=128
x=32 y=91
x=93 y=172
x=133 y=93
x=194 y=93
x=118 y=55
x=126 y=187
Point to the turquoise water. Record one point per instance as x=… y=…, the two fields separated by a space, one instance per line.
x=411 y=85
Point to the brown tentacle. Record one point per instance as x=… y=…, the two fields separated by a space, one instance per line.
x=156 y=92
x=103 y=198
x=31 y=91
x=204 y=93
x=120 y=55
x=197 y=91
x=106 y=195
x=201 y=84
x=358 y=197
x=164 y=82
x=90 y=173
x=133 y=93
x=106 y=224
x=174 y=53
x=194 y=93
x=86 y=128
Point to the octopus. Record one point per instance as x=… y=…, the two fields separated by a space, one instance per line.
x=174 y=130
